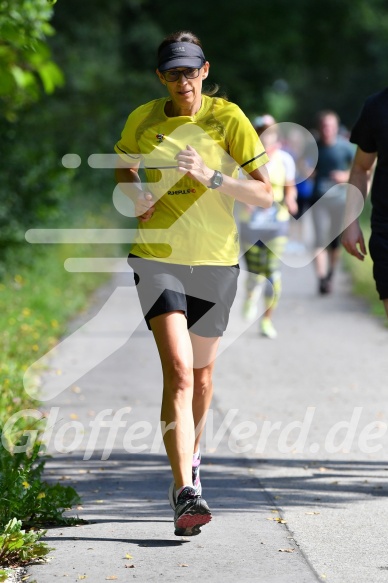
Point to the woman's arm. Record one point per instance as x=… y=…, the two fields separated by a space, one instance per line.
x=256 y=191
x=130 y=184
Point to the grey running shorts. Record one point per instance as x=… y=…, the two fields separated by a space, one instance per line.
x=204 y=293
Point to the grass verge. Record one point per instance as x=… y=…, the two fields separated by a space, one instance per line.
x=37 y=299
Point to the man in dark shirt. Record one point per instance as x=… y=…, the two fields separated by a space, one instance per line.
x=335 y=156
x=370 y=133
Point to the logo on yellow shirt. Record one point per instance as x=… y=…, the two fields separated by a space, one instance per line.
x=185 y=191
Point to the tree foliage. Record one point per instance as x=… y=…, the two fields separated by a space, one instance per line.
x=290 y=59
x=26 y=67
x=328 y=54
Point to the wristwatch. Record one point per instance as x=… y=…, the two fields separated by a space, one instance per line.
x=216 y=180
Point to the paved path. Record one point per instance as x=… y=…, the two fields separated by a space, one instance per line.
x=297 y=492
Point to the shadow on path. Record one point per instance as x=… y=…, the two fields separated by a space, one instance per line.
x=132 y=487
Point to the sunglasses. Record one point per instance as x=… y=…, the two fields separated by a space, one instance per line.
x=173 y=74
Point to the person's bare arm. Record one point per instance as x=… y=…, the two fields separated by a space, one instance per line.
x=360 y=175
x=257 y=192
x=127 y=176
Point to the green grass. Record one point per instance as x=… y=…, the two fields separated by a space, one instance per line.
x=38 y=297
x=36 y=302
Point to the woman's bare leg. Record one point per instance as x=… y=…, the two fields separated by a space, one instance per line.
x=205 y=351
x=176 y=355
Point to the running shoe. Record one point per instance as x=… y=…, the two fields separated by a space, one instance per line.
x=325 y=285
x=267 y=329
x=191 y=513
x=196 y=484
x=172 y=490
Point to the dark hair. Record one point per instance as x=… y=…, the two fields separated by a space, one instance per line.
x=185 y=36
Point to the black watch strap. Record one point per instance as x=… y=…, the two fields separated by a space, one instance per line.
x=216 y=180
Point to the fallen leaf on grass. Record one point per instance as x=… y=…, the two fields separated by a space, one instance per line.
x=286 y=550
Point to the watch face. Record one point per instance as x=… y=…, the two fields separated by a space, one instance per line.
x=217 y=179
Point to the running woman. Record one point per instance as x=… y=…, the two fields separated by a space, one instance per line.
x=185 y=256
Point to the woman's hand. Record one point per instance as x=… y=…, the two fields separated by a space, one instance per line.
x=257 y=192
x=191 y=163
x=144 y=206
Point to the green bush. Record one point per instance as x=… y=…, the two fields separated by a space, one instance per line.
x=18 y=547
x=26 y=496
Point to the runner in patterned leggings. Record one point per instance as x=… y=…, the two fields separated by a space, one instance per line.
x=264 y=231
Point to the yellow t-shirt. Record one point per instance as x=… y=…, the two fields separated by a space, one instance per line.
x=191 y=225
